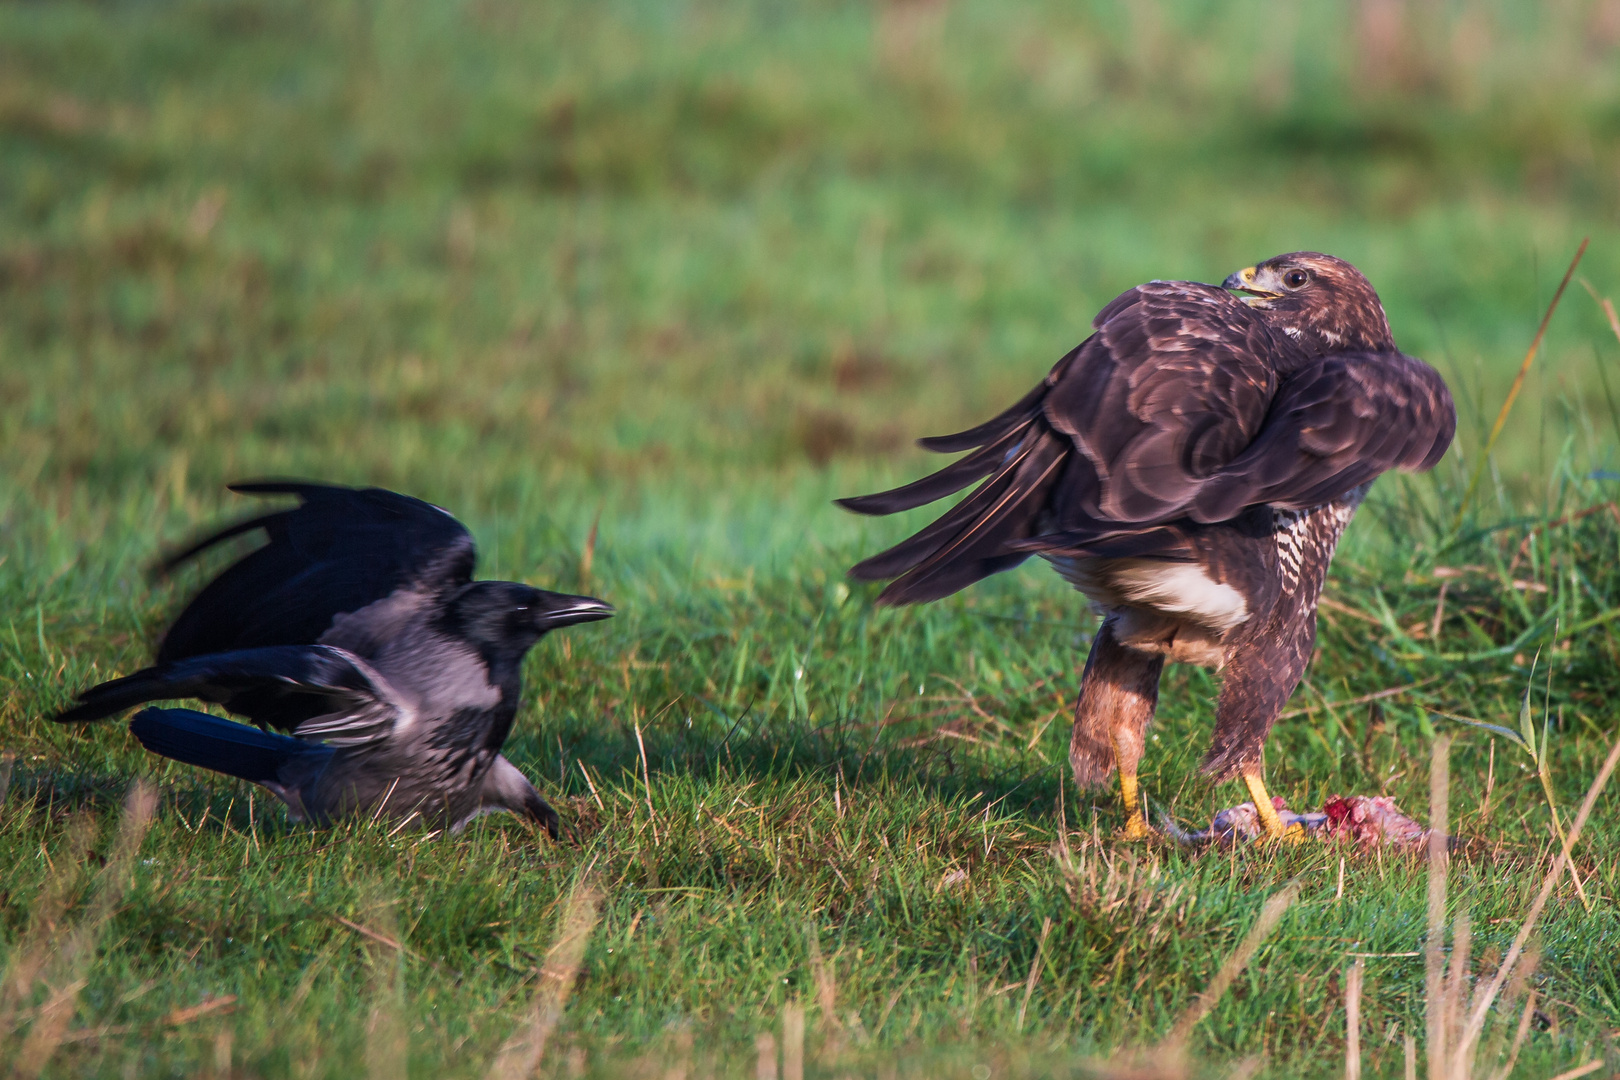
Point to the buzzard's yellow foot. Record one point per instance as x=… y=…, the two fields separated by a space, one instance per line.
x=1137 y=828
x=1293 y=834
x=1267 y=810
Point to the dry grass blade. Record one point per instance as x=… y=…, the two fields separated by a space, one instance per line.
x=793 y=1041
x=1034 y=972
x=1607 y=305
x=587 y=557
x=65 y=971
x=177 y=1017
x=646 y=781
x=1439 y=613
x=1377 y=695
x=367 y=932
x=1352 y=1019
x=1270 y=915
x=521 y=1055
x=1518 y=1038
x=1513 y=391
x=1456 y=998
x=222 y=1052
x=31 y=953
x=387 y=1042
x=765 y=1056
x=1517 y=988
x=1476 y=1021
x=1581 y=1070
x=826 y=980
x=1248 y=1068
x=1434 y=989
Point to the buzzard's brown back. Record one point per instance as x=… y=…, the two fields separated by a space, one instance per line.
x=1186 y=404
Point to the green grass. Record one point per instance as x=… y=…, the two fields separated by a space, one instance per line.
x=694 y=270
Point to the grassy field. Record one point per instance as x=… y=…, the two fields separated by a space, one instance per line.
x=689 y=271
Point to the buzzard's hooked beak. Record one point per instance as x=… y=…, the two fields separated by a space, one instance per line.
x=1244 y=282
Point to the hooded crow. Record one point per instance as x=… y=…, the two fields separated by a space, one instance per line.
x=358 y=630
x=1190 y=468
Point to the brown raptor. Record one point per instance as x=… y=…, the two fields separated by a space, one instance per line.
x=1190 y=468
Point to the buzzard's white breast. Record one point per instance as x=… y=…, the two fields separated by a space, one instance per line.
x=1180 y=590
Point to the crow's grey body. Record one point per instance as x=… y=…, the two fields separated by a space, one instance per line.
x=359 y=631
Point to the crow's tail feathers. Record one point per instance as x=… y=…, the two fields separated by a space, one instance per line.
x=220 y=745
x=116 y=695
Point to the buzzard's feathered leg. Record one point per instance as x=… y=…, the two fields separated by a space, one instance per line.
x=1255 y=685
x=1118 y=693
x=1267 y=659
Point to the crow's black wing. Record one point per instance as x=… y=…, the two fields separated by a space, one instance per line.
x=1173 y=385
x=341 y=550
x=1334 y=426
x=316 y=691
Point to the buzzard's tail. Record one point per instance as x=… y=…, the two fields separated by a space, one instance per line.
x=1018 y=458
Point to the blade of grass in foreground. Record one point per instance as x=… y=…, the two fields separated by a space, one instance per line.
x=521 y=1055
x=67 y=970
x=1476 y=1021
x=1270 y=915
x=1433 y=947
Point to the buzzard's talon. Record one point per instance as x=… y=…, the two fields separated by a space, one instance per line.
x=1365 y=821
x=1136 y=828
x=1292 y=834
x=1130 y=794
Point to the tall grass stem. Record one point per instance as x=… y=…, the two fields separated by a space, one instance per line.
x=1513 y=391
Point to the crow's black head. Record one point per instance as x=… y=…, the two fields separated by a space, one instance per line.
x=1322 y=303
x=503 y=619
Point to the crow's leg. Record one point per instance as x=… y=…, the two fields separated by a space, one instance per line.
x=1118 y=693
x=506 y=788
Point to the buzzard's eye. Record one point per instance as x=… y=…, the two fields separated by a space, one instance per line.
x=1295 y=279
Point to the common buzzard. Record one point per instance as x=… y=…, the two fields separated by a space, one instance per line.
x=1190 y=468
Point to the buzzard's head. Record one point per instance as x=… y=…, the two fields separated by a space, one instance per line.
x=1323 y=304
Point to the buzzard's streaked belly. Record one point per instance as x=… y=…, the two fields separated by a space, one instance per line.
x=1179 y=609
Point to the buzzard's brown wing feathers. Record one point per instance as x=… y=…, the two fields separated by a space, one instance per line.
x=998 y=426
x=1183 y=405
x=1175 y=382
x=975 y=538
x=989 y=458
x=1335 y=426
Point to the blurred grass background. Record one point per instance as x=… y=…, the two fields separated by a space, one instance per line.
x=693 y=269
x=621 y=242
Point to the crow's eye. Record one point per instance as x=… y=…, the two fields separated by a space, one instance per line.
x=1295 y=279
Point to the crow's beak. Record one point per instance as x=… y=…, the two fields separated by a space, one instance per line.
x=562 y=610
x=1246 y=281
